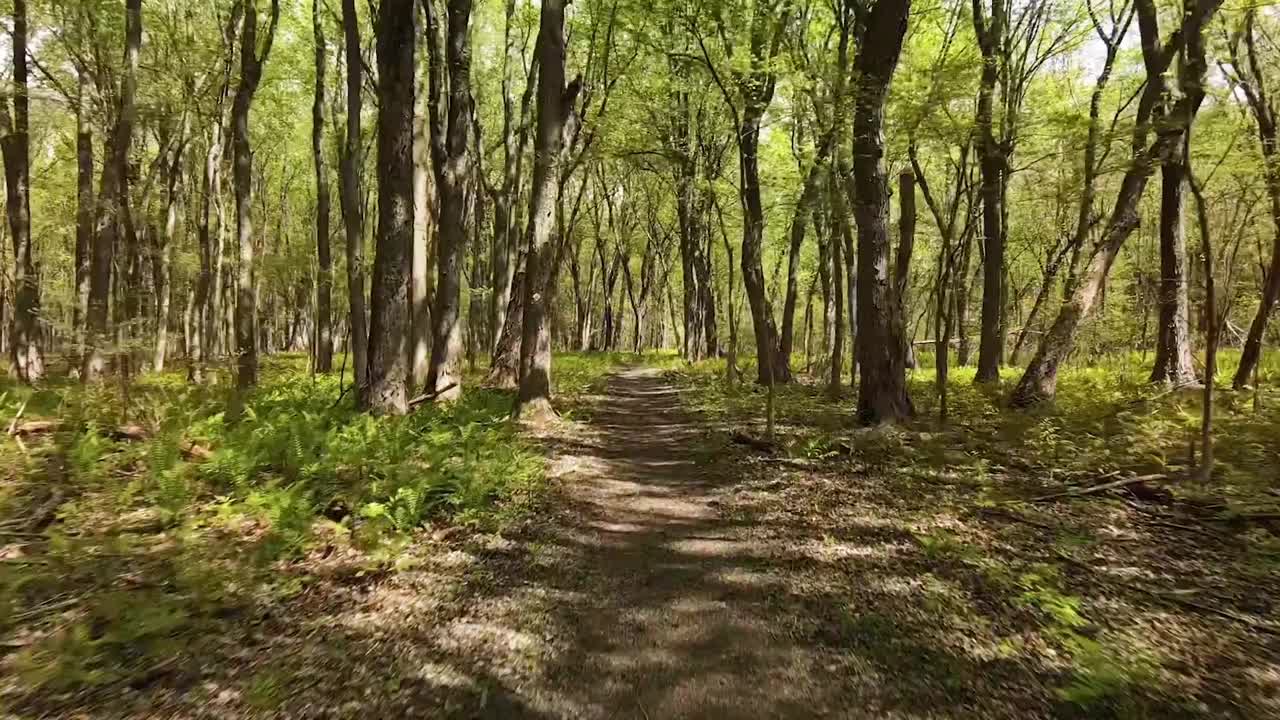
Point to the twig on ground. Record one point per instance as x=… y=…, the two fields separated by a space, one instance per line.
x=1077 y=492
x=1014 y=516
x=14 y=423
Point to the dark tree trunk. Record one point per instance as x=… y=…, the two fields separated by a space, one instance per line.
x=835 y=310
x=555 y=103
x=1173 y=341
x=882 y=388
x=16 y=148
x=388 y=372
x=449 y=150
x=113 y=200
x=352 y=163
x=992 y=159
x=323 y=350
x=251 y=63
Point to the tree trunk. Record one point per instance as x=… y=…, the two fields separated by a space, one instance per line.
x=424 y=215
x=84 y=209
x=387 y=388
x=16 y=147
x=555 y=103
x=504 y=368
x=1252 y=82
x=171 y=236
x=835 y=309
x=1173 y=342
x=246 y=313
x=991 y=40
x=809 y=196
x=352 y=162
x=882 y=389
x=450 y=151
x=113 y=200
x=323 y=350
x=1039 y=381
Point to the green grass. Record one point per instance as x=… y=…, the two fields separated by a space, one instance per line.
x=154 y=550
x=1105 y=418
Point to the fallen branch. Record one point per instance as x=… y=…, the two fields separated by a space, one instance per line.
x=124 y=433
x=1242 y=619
x=428 y=397
x=1078 y=492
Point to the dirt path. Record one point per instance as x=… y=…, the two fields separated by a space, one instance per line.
x=666 y=608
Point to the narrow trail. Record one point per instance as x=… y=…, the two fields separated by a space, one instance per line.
x=670 y=611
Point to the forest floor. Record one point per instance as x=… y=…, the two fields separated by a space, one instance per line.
x=668 y=569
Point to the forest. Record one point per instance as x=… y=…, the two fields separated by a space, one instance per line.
x=640 y=359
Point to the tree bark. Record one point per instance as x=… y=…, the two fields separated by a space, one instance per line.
x=251 y=64
x=882 y=388
x=425 y=214
x=1173 y=342
x=450 y=153
x=387 y=389
x=992 y=160
x=16 y=148
x=113 y=200
x=555 y=103
x=84 y=208
x=323 y=351
x=352 y=163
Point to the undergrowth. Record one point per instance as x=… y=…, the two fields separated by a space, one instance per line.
x=157 y=538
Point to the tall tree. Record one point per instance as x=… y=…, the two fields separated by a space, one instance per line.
x=1167 y=124
x=323 y=350
x=748 y=101
x=352 y=161
x=515 y=138
x=113 y=200
x=388 y=373
x=84 y=203
x=1173 y=338
x=251 y=64
x=992 y=42
x=1111 y=36
x=1248 y=75
x=450 y=121
x=882 y=382
x=16 y=148
x=555 y=108
x=208 y=283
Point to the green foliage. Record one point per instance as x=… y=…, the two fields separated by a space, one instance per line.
x=1104 y=673
x=155 y=546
